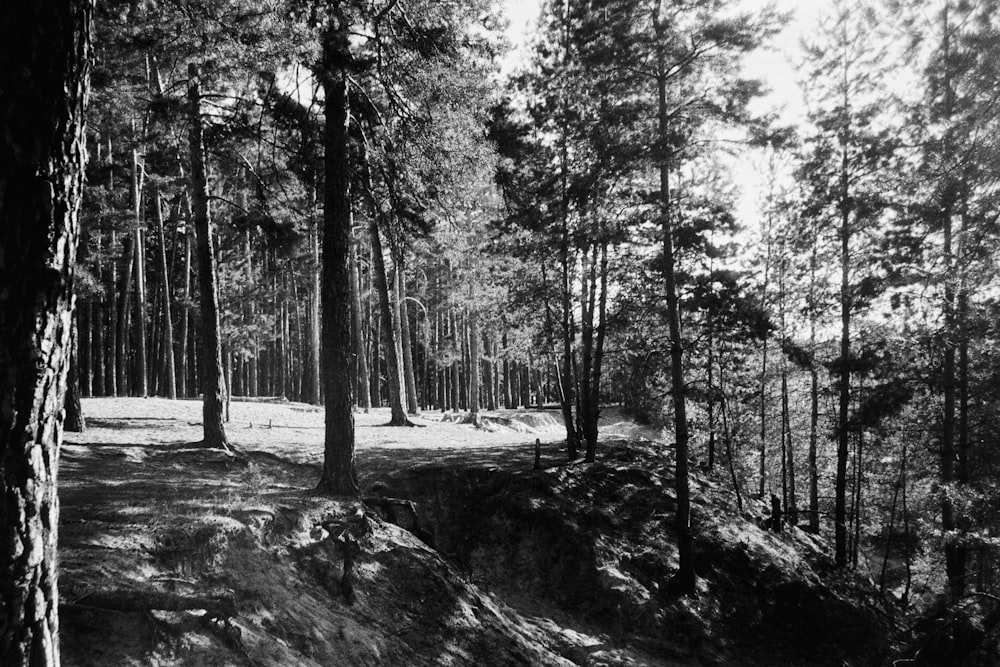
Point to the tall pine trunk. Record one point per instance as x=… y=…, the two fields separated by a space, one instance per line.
x=139 y=266
x=409 y=371
x=364 y=391
x=682 y=524
x=844 y=388
x=211 y=346
x=339 y=474
x=169 y=365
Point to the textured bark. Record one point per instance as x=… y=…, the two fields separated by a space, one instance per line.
x=44 y=49
x=339 y=476
x=211 y=346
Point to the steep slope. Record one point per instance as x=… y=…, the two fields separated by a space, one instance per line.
x=591 y=545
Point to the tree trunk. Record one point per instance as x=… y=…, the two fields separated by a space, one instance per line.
x=507 y=393
x=474 y=383
x=169 y=365
x=74 y=420
x=315 y=355
x=124 y=302
x=813 y=397
x=185 y=313
x=43 y=76
x=409 y=375
x=97 y=327
x=211 y=346
x=456 y=363
x=364 y=392
x=682 y=525
x=488 y=375
x=844 y=389
x=139 y=266
x=339 y=370
x=393 y=363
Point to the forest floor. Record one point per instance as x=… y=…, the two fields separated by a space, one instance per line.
x=174 y=555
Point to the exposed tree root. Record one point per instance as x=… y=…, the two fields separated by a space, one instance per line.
x=149 y=600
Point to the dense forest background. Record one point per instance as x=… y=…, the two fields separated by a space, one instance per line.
x=574 y=236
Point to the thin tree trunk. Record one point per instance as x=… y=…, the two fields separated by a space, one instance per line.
x=393 y=363
x=314 y=383
x=474 y=336
x=682 y=525
x=844 y=389
x=124 y=303
x=74 y=420
x=139 y=266
x=454 y=379
x=364 y=391
x=97 y=325
x=404 y=329
x=169 y=365
x=211 y=346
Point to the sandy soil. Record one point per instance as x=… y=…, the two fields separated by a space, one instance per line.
x=294 y=432
x=156 y=534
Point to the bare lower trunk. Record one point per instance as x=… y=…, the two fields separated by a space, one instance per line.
x=678 y=390
x=169 y=366
x=409 y=374
x=364 y=391
x=339 y=474
x=211 y=346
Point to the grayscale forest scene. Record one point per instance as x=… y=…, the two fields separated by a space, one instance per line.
x=499 y=332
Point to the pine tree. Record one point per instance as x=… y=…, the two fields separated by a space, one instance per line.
x=43 y=73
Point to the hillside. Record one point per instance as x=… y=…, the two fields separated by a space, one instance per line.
x=178 y=556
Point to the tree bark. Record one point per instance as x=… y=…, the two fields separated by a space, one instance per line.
x=315 y=295
x=364 y=391
x=74 y=420
x=43 y=75
x=474 y=337
x=139 y=266
x=124 y=317
x=682 y=525
x=339 y=370
x=409 y=373
x=169 y=365
x=844 y=389
x=211 y=346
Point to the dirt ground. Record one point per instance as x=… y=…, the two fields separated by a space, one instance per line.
x=174 y=555
x=177 y=555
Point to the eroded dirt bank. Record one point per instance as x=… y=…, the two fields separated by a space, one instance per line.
x=592 y=545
